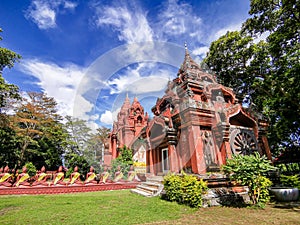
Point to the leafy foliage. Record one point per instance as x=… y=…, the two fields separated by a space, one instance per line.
x=79 y=134
x=184 y=189
x=83 y=142
x=96 y=146
x=290 y=168
x=73 y=160
x=290 y=181
x=231 y=56
x=124 y=160
x=269 y=71
x=31 y=170
x=7 y=91
x=250 y=170
x=7 y=57
x=281 y=19
x=8 y=146
x=39 y=130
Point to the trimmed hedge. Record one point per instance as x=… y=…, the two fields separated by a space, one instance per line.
x=184 y=189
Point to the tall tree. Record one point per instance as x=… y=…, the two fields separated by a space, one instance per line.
x=84 y=143
x=80 y=148
x=7 y=60
x=39 y=129
x=281 y=19
x=97 y=143
x=8 y=92
x=239 y=63
x=79 y=134
x=271 y=71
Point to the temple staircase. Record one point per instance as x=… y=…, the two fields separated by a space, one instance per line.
x=152 y=187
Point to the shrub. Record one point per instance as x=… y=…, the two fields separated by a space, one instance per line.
x=172 y=186
x=184 y=189
x=290 y=181
x=124 y=160
x=73 y=160
x=31 y=170
x=250 y=170
x=262 y=194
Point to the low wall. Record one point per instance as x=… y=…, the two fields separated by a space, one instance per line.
x=65 y=189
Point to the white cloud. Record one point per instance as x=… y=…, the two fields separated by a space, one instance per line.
x=82 y=107
x=44 y=12
x=70 y=5
x=201 y=51
x=92 y=125
x=223 y=31
x=60 y=82
x=107 y=117
x=94 y=117
x=146 y=78
x=179 y=19
x=132 y=26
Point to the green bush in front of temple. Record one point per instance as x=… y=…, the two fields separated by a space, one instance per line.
x=184 y=189
x=251 y=170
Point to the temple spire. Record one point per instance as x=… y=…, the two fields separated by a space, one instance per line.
x=126 y=103
x=188 y=62
x=186 y=49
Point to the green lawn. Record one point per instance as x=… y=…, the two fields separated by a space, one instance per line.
x=122 y=207
x=107 y=207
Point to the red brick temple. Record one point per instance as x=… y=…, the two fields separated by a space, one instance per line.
x=130 y=122
x=197 y=125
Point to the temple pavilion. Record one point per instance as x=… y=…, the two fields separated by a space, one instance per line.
x=198 y=124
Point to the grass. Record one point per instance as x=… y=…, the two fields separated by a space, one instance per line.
x=122 y=207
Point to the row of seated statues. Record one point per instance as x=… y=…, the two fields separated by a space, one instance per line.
x=42 y=178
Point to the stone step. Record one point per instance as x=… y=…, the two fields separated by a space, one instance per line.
x=141 y=192
x=145 y=191
x=155 y=179
x=152 y=187
x=152 y=184
x=147 y=188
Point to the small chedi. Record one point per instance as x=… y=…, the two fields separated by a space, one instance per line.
x=198 y=124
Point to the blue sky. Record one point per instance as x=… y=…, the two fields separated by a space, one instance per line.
x=89 y=54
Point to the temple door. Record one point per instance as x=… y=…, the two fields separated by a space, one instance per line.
x=165 y=160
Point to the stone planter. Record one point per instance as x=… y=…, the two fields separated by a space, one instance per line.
x=285 y=194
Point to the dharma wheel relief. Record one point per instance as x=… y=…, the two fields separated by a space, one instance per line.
x=242 y=141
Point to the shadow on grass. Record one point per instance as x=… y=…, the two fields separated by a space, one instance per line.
x=294 y=206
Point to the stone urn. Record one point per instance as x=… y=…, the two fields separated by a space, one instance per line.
x=285 y=194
